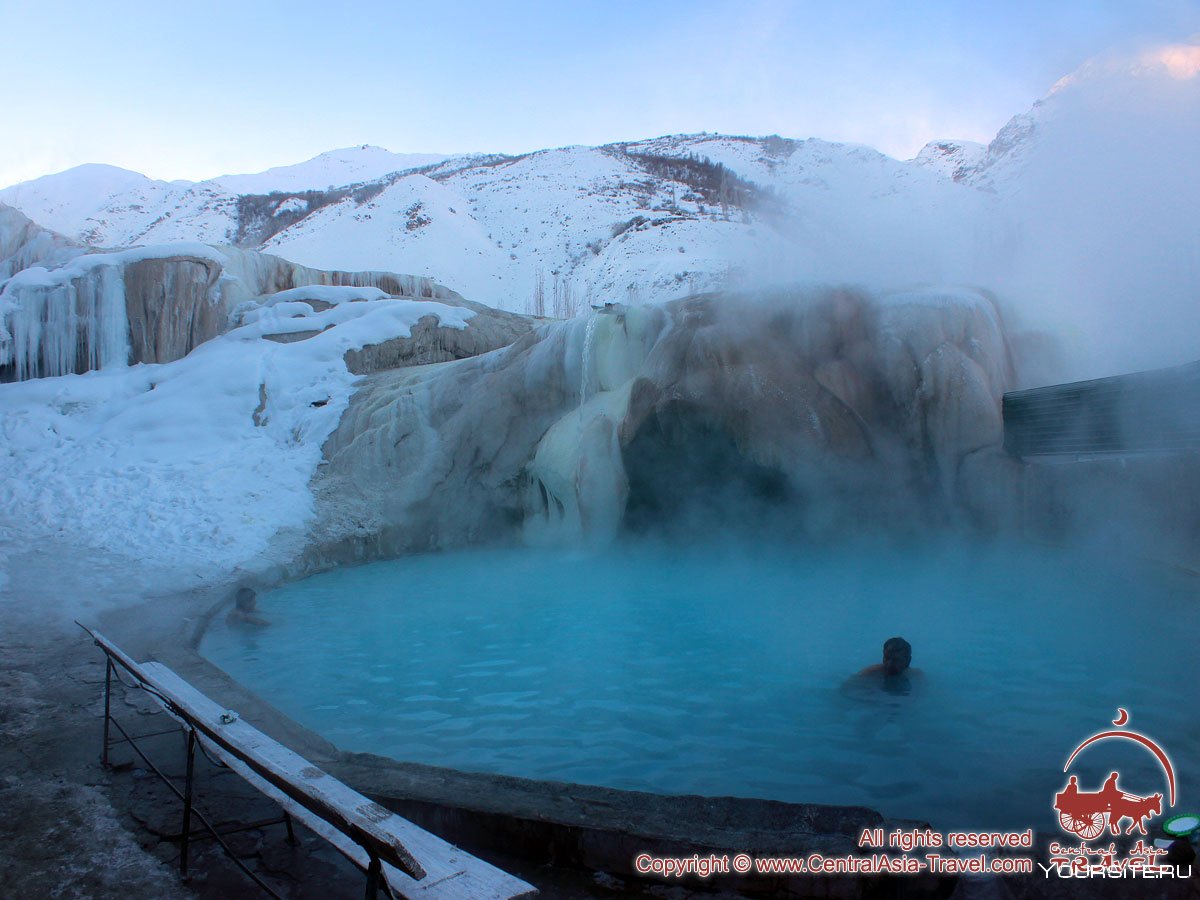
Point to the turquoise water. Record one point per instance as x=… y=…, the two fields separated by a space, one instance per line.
x=721 y=671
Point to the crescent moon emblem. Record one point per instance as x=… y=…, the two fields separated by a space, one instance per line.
x=1122 y=716
x=1163 y=759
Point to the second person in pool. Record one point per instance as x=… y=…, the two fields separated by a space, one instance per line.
x=894 y=674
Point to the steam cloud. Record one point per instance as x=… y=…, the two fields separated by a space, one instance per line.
x=1086 y=227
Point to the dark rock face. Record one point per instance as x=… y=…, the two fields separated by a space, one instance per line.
x=684 y=471
x=838 y=407
x=171 y=307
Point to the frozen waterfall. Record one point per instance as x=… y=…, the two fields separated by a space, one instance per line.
x=65 y=326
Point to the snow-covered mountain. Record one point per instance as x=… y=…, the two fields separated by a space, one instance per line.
x=1069 y=209
x=108 y=206
x=644 y=221
x=328 y=170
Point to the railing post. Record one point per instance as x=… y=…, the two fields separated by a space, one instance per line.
x=291 y=832
x=187 y=802
x=108 y=670
x=374 y=870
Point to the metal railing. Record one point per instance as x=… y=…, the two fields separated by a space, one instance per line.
x=193 y=729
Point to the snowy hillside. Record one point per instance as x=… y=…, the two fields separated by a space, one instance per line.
x=642 y=221
x=1066 y=214
x=592 y=218
x=95 y=204
x=333 y=168
x=106 y=206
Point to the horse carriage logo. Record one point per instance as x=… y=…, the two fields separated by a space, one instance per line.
x=1087 y=813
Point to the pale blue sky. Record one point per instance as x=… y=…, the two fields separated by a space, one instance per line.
x=180 y=90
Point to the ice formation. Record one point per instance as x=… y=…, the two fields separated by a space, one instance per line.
x=60 y=326
x=577 y=484
x=155 y=304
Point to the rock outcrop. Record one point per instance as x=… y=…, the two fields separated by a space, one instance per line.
x=489 y=330
x=828 y=408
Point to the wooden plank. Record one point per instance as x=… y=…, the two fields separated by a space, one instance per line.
x=471 y=877
x=270 y=760
x=345 y=809
x=449 y=872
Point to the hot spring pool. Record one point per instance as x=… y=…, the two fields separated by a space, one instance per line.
x=721 y=672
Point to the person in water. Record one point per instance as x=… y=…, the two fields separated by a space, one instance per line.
x=245 y=608
x=894 y=673
x=897 y=659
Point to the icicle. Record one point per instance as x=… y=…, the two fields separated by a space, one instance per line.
x=75 y=325
x=113 y=320
x=585 y=374
x=26 y=321
x=59 y=333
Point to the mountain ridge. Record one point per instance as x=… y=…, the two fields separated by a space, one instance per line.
x=1068 y=214
x=585 y=200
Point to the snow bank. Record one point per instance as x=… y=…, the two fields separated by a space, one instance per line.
x=291 y=205
x=327 y=293
x=196 y=464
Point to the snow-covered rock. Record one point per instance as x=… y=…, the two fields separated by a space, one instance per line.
x=152 y=304
x=953 y=159
x=24 y=243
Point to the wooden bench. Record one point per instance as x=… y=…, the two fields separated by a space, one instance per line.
x=395 y=853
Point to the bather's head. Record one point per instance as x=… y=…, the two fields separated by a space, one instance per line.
x=897 y=655
x=245 y=599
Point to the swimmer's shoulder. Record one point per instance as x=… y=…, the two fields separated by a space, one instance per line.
x=238 y=617
x=864 y=680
